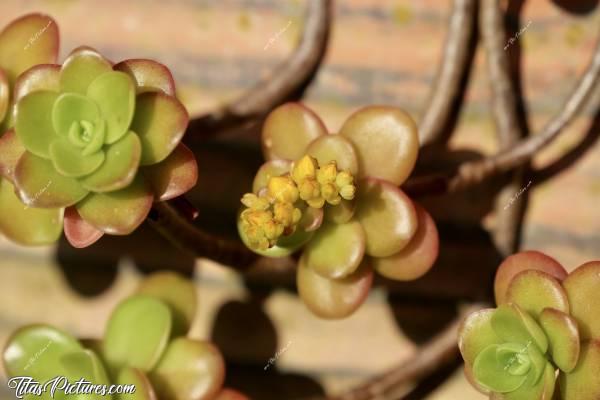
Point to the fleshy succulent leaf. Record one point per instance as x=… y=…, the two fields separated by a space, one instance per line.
x=81 y=68
x=173 y=176
x=85 y=364
x=336 y=250
x=341 y=213
x=387 y=216
x=178 y=293
x=11 y=151
x=582 y=383
x=69 y=161
x=148 y=75
x=123 y=343
x=492 y=374
x=119 y=212
x=386 y=142
x=40 y=77
x=582 y=286
x=512 y=324
x=4 y=95
x=189 y=369
x=312 y=219
x=34 y=122
x=476 y=333
x=35 y=227
x=160 y=121
x=71 y=108
x=523 y=261
x=78 y=232
x=419 y=255
x=336 y=148
x=563 y=337
x=267 y=171
x=535 y=290
x=288 y=130
x=543 y=389
x=333 y=298
x=143 y=387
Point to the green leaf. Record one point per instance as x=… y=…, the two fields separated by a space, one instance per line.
x=336 y=148
x=492 y=374
x=512 y=324
x=137 y=333
x=340 y=213
x=81 y=68
x=39 y=185
x=85 y=364
x=119 y=168
x=143 y=388
x=189 y=369
x=582 y=383
x=69 y=160
x=148 y=75
x=267 y=171
x=535 y=290
x=563 y=336
x=476 y=333
x=386 y=142
x=119 y=212
x=41 y=77
x=11 y=151
x=336 y=250
x=160 y=121
x=114 y=93
x=387 y=216
x=34 y=122
x=28 y=41
x=173 y=176
x=178 y=293
x=36 y=226
x=541 y=390
x=72 y=107
x=582 y=287
x=288 y=130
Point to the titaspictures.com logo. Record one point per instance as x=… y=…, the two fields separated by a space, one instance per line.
x=25 y=385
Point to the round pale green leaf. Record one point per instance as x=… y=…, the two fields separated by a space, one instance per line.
x=543 y=389
x=512 y=324
x=11 y=150
x=114 y=93
x=28 y=41
x=189 y=369
x=523 y=261
x=288 y=130
x=340 y=213
x=176 y=292
x=4 y=95
x=40 y=77
x=535 y=290
x=35 y=227
x=419 y=255
x=160 y=121
x=173 y=176
x=87 y=365
x=583 y=290
x=386 y=142
x=39 y=185
x=563 y=337
x=143 y=387
x=81 y=68
x=328 y=148
x=333 y=298
x=148 y=75
x=72 y=107
x=119 y=212
x=492 y=374
x=336 y=250
x=387 y=216
x=476 y=333
x=137 y=333
x=582 y=383
x=69 y=161
x=267 y=171
x=34 y=122
x=119 y=168
x=78 y=232
x=312 y=218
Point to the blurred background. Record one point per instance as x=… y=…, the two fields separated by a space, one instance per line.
x=380 y=52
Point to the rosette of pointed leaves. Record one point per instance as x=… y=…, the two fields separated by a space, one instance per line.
x=24 y=43
x=101 y=141
x=546 y=322
x=144 y=344
x=343 y=201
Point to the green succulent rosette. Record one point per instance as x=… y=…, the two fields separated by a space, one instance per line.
x=145 y=344
x=98 y=142
x=337 y=197
x=546 y=325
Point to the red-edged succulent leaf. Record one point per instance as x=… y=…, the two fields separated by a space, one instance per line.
x=230 y=394
x=543 y=389
x=514 y=325
x=78 y=232
x=419 y=255
x=175 y=175
x=24 y=225
x=4 y=96
x=387 y=216
x=143 y=386
x=583 y=290
x=160 y=121
x=81 y=68
x=340 y=213
x=288 y=130
x=474 y=335
x=386 y=142
x=535 y=290
x=189 y=369
x=33 y=123
x=312 y=219
x=522 y=261
x=333 y=298
x=336 y=148
x=39 y=77
x=563 y=336
x=582 y=383
x=28 y=41
x=148 y=75
x=267 y=171
x=11 y=151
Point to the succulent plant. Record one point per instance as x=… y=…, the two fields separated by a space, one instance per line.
x=144 y=344
x=546 y=325
x=93 y=143
x=337 y=196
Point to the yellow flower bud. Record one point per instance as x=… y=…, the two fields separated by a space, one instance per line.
x=318 y=202
x=309 y=189
x=273 y=230
x=254 y=202
x=344 y=178
x=330 y=193
x=305 y=168
x=282 y=188
x=348 y=192
x=284 y=213
x=327 y=173
x=296 y=216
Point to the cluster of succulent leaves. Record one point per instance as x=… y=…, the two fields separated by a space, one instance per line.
x=144 y=344
x=87 y=146
x=337 y=196
x=547 y=324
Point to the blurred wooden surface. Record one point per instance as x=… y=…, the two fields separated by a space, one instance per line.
x=381 y=51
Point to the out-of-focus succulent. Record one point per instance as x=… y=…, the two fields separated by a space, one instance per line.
x=547 y=322
x=337 y=196
x=95 y=142
x=144 y=344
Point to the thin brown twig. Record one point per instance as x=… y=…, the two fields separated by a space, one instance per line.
x=292 y=76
